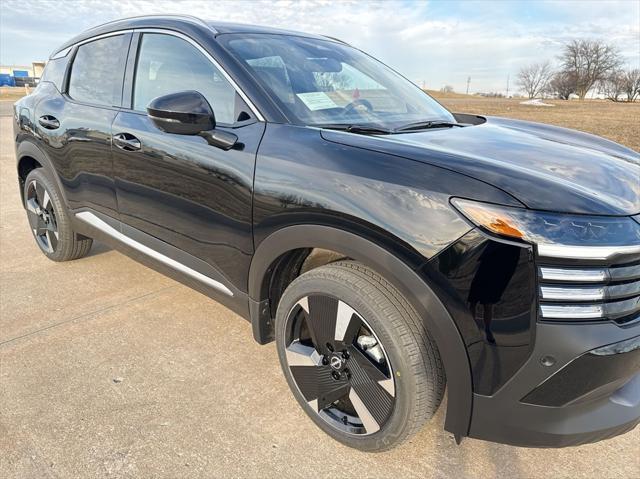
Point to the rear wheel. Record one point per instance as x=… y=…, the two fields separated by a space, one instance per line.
x=49 y=221
x=357 y=357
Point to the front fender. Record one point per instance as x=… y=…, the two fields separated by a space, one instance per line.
x=436 y=318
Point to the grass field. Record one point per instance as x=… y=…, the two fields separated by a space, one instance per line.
x=11 y=93
x=617 y=121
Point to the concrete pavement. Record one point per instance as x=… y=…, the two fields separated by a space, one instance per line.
x=6 y=107
x=108 y=369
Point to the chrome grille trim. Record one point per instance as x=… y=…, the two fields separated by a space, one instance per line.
x=622 y=290
x=625 y=272
x=585 y=252
x=593 y=311
x=617 y=309
x=587 y=293
x=574 y=275
x=590 y=293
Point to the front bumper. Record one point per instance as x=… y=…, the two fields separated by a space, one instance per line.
x=541 y=407
x=524 y=322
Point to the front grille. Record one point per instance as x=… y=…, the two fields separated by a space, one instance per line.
x=589 y=293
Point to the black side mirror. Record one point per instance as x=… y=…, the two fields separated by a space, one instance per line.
x=189 y=113
x=182 y=113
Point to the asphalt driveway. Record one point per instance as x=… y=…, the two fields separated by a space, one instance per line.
x=110 y=369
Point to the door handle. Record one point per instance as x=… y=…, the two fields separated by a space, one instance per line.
x=49 y=122
x=127 y=142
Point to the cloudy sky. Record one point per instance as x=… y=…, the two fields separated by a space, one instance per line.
x=432 y=42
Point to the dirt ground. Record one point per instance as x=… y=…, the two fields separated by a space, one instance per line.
x=8 y=93
x=109 y=369
x=616 y=121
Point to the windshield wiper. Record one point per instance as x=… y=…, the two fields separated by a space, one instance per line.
x=361 y=129
x=380 y=130
x=425 y=125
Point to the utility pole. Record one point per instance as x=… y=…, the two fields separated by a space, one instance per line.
x=508 y=85
x=468 y=82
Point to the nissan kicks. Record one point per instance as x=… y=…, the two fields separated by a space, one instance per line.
x=388 y=246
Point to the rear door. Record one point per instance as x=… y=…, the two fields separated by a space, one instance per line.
x=192 y=196
x=75 y=125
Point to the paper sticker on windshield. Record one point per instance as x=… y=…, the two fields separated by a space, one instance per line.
x=317 y=100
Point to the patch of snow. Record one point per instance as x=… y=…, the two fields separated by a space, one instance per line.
x=535 y=102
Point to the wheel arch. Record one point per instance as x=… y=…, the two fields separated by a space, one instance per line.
x=437 y=319
x=30 y=157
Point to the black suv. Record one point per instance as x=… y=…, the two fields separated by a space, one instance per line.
x=388 y=246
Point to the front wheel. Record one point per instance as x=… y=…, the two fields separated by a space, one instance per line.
x=357 y=356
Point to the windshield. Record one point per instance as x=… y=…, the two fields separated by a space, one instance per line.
x=322 y=82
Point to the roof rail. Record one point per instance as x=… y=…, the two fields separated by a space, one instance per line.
x=178 y=15
x=87 y=33
x=335 y=39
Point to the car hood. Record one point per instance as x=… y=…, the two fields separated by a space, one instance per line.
x=544 y=167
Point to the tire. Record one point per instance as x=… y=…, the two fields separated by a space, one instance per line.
x=346 y=304
x=49 y=220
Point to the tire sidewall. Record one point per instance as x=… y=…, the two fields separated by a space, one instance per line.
x=65 y=232
x=405 y=384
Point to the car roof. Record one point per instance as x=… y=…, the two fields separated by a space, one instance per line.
x=228 y=27
x=184 y=23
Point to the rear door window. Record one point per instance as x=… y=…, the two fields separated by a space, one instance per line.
x=98 y=70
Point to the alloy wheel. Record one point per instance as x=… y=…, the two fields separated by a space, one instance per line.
x=339 y=365
x=42 y=217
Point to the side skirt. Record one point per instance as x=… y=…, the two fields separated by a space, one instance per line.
x=162 y=257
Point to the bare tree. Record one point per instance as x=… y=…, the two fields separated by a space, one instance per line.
x=631 y=83
x=447 y=89
x=612 y=86
x=562 y=85
x=534 y=79
x=332 y=81
x=590 y=61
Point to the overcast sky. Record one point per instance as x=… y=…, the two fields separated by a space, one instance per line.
x=435 y=42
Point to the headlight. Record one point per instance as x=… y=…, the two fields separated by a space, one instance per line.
x=556 y=234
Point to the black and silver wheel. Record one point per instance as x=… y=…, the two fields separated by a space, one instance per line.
x=357 y=357
x=42 y=216
x=339 y=365
x=49 y=221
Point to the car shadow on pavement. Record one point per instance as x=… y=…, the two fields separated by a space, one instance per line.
x=98 y=249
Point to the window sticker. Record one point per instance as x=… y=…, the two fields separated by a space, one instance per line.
x=317 y=100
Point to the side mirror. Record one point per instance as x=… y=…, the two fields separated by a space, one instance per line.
x=182 y=113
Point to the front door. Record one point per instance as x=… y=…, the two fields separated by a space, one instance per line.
x=179 y=189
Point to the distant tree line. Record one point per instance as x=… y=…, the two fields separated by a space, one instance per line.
x=584 y=65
